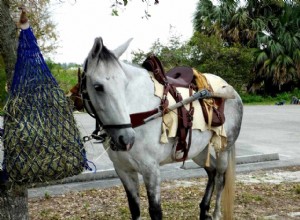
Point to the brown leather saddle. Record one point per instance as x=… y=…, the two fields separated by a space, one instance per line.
x=180 y=77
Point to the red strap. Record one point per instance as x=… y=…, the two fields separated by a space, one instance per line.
x=137 y=119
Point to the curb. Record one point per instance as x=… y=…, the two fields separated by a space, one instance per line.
x=109 y=178
x=111 y=173
x=257 y=158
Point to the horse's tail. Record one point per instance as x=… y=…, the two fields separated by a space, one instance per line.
x=228 y=193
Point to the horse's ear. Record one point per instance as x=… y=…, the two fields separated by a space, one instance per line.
x=122 y=48
x=97 y=47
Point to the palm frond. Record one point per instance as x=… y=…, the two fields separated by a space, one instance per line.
x=261 y=57
x=275 y=48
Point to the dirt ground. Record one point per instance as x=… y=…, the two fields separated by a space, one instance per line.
x=268 y=194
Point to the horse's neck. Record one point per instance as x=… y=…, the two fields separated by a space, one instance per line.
x=140 y=91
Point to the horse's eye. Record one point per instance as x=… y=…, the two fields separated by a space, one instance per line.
x=99 y=88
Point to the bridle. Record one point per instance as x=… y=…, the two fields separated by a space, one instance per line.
x=97 y=134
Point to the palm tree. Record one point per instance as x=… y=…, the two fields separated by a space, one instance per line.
x=227 y=20
x=204 y=17
x=271 y=26
x=277 y=61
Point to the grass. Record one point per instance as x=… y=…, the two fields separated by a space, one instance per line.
x=179 y=201
x=297 y=189
x=47 y=195
x=268 y=100
x=66 y=78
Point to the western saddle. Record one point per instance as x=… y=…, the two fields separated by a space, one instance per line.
x=181 y=77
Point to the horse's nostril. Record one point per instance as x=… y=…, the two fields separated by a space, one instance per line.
x=121 y=140
x=125 y=143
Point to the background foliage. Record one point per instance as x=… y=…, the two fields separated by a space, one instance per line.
x=269 y=26
x=254 y=46
x=40 y=19
x=206 y=54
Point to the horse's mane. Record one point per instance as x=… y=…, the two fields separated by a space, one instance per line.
x=106 y=55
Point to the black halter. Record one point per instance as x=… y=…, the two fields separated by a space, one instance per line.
x=91 y=109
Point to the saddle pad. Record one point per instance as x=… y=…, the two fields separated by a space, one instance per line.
x=170 y=120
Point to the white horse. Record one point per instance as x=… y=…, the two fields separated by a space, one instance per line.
x=116 y=89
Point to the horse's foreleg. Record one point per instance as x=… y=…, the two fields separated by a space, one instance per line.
x=131 y=184
x=152 y=182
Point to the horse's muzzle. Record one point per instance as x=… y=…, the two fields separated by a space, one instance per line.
x=122 y=139
x=126 y=144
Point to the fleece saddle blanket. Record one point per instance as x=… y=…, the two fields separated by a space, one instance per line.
x=170 y=120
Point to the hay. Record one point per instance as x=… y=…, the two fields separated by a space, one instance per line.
x=41 y=139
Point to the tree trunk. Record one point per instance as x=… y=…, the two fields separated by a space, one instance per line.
x=14 y=204
x=8 y=40
x=13 y=201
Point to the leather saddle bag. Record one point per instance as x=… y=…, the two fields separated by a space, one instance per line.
x=218 y=117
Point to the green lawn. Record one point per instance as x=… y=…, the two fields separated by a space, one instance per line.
x=250 y=99
x=65 y=78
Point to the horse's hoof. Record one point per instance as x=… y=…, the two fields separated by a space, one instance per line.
x=217 y=216
x=206 y=217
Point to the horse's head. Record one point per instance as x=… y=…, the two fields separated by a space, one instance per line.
x=75 y=94
x=106 y=85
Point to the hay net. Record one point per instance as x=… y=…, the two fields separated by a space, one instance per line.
x=41 y=140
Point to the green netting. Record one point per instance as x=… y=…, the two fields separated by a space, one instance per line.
x=41 y=139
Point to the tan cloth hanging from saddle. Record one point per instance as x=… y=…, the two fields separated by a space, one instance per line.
x=170 y=120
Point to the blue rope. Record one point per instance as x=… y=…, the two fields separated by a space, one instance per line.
x=30 y=69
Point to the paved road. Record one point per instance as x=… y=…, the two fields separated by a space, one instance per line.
x=270 y=137
x=265 y=130
x=268 y=129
